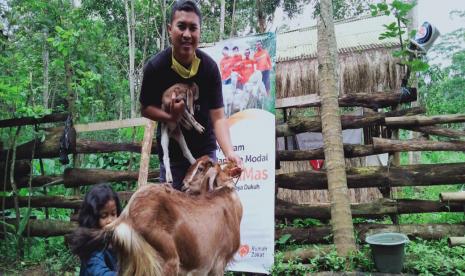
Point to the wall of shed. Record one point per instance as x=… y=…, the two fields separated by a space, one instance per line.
x=368 y=71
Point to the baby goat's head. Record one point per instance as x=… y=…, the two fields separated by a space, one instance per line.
x=206 y=176
x=182 y=92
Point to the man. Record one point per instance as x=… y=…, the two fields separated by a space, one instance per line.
x=226 y=64
x=263 y=61
x=184 y=63
x=246 y=68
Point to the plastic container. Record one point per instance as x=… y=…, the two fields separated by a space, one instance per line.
x=388 y=251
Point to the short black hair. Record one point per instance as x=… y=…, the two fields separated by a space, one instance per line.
x=187 y=6
x=94 y=200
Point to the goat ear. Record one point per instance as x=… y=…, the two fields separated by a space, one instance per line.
x=195 y=91
x=210 y=176
x=190 y=100
x=191 y=172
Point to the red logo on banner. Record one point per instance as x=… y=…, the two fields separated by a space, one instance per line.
x=244 y=250
x=317 y=164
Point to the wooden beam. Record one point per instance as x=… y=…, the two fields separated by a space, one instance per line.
x=456 y=241
x=322 y=234
x=439 y=131
x=297 y=125
x=51 y=118
x=375 y=209
x=111 y=125
x=370 y=100
x=91 y=146
x=74 y=177
x=365 y=177
x=452 y=197
x=145 y=154
x=424 y=120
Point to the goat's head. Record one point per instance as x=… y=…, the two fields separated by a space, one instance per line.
x=183 y=92
x=206 y=176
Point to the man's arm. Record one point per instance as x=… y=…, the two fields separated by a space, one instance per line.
x=221 y=128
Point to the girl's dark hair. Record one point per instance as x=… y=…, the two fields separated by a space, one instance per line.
x=94 y=200
x=187 y=6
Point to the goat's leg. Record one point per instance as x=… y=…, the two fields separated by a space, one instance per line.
x=217 y=269
x=185 y=123
x=166 y=247
x=165 y=139
x=187 y=116
x=177 y=135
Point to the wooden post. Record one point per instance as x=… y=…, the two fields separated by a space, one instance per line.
x=145 y=153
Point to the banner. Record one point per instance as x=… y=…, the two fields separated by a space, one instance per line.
x=247 y=71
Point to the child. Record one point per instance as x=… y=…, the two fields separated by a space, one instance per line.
x=100 y=207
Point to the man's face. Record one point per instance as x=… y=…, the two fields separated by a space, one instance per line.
x=184 y=31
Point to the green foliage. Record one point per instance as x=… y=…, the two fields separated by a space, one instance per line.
x=400 y=10
x=422 y=258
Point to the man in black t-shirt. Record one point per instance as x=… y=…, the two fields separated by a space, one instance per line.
x=184 y=63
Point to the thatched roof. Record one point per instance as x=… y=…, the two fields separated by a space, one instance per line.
x=366 y=63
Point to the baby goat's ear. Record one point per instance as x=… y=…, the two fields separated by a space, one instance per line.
x=195 y=91
x=190 y=100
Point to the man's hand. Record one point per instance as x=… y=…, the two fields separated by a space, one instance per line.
x=177 y=107
x=233 y=157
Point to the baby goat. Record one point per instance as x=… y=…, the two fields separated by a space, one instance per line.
x=188 y=94
x=163 y=231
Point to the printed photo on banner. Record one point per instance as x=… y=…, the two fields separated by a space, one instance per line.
x=247 y=72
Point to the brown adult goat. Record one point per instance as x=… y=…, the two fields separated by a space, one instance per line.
x=166 y=232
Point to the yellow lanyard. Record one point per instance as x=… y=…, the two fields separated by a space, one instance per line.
x=183 y=71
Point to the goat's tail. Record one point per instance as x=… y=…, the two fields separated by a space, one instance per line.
x=135 y=255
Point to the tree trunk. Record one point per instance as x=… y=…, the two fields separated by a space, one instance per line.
x=45 y=59
x=222 y=17
x=367 y=177
x=341 y=217
x=22 y=169
x=81 y=177
x=261 y=16
x=70 y=93
x=375 y=209
x=322 y=234
x=164 y=27
x=131 y=25
x=412 y=23
x=233 y=17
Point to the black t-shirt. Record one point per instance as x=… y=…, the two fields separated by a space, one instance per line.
x=158 y=76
